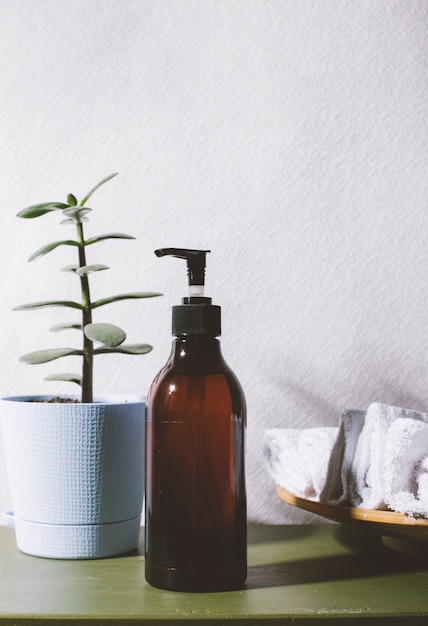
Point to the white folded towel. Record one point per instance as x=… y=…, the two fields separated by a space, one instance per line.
x=374 y=460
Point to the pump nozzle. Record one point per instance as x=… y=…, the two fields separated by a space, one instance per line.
x=196 y=261
x=196 y=315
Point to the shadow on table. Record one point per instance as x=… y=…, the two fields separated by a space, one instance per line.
x=267 y=533
x=367 y=557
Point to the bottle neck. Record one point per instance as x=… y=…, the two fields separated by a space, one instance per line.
x=198 y=353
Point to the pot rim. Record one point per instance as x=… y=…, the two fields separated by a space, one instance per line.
x=116 y=399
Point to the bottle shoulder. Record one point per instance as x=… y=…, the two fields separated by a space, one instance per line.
x=181 y=375
x=174 y=388
x=196 y=363
x=196 y=355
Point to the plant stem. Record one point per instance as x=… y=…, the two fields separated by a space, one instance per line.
x=88 y=352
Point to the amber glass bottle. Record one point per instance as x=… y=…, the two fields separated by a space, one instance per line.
x=195 y=464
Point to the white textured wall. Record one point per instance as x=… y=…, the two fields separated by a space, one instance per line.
x=288 y=136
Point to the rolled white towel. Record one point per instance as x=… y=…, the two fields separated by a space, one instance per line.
x=297 y=459
x=391 y=444
x=406 y=465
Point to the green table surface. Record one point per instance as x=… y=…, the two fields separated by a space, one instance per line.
x=320 y=573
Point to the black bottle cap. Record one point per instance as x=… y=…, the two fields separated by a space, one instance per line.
x=195 y=318
x=196 y=315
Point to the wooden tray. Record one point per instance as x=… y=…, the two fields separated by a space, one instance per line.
x=394 y=527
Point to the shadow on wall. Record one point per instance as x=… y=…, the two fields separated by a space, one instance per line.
x=313 y=397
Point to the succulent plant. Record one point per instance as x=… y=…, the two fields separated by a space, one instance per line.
x=108 y=338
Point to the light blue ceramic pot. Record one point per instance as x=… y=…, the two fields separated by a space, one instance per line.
x=76 y=475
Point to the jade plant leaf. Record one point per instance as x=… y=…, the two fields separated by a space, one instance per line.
x=85 y=269
x=47 y=303
x=88 y=269
x=106 y=334
x=65 y=326
x=35 y=210
x=107 y=236
x=75 y=213
x=51 y=246
x=70 y=268
x=97 y=186
x=69 y=221
x=66 y=376
x=125 y=296
x=71 y=199
x=136 y=348
x=50 y=354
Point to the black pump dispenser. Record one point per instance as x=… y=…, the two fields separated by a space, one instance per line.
x=196 y=315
